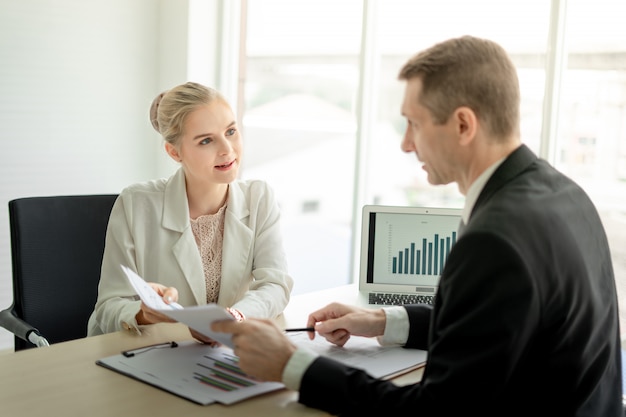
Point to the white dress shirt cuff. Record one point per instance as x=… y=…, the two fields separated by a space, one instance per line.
x=296 y=367
x=396 y=327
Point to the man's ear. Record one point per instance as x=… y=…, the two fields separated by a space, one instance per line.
x=466 y=124
x=172 y=152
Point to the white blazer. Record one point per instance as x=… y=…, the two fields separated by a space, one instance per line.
x=149 y=231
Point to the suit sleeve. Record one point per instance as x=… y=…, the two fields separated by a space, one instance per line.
x=484 y=294
x=419 y=325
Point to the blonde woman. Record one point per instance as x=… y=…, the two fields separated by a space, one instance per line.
x=201 y=236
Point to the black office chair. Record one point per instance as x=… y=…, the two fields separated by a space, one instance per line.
x=56 y=249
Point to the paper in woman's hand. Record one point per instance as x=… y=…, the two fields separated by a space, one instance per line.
x=198 y=318
x=147 y=294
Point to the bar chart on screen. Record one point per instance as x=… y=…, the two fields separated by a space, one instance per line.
x=413 y=247
x=425 y=258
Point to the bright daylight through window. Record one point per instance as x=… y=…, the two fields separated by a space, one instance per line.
x=312 y=122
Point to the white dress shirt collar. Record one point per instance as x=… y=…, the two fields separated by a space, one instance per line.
x=474 y=190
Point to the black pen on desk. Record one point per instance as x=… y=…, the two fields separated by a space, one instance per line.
x=301 y=329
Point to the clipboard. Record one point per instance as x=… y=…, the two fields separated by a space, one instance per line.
x=190 y=370
x=206 y=375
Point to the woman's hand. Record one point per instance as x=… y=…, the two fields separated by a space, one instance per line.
x=168 y=294
x=146 y=315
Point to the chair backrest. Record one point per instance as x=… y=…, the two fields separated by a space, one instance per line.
x=56 y=248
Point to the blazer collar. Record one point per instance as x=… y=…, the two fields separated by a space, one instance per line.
x=236 y=201
x=175 y=205
x=511 y=167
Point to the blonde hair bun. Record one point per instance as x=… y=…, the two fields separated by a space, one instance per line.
x=154 y=111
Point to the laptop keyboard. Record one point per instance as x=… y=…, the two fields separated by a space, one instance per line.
x=399 y=299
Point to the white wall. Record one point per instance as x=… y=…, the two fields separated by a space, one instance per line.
x=76 y=81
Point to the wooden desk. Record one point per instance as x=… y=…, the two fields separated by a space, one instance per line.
x=63 y=379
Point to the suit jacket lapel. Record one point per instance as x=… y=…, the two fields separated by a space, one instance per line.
x=238 y=239
x=185 y=250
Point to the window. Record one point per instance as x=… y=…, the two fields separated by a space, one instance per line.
x=405 y=28
x=299 y=123
x=309 y=77
x=322 y=110
x=591 y=139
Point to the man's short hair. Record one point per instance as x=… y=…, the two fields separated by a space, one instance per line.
x=472 y=72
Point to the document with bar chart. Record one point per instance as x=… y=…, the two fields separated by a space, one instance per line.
x=411 y=249
x=207 y=375
x=191 y=370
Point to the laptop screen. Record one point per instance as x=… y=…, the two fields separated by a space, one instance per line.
x=406 y=247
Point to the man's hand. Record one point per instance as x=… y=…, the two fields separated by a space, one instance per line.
x=262 y=348
x=336 y=322
x=237 y=315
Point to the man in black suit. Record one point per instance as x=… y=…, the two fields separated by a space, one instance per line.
x=525 y=321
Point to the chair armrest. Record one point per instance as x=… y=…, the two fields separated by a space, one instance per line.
x=21 y=329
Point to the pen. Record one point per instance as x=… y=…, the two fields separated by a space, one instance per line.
x=301 y=329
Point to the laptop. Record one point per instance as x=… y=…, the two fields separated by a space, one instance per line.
x=403 y=252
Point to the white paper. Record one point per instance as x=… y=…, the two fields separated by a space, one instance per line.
x=198 y=318
x=365 y=353
x=146 y=292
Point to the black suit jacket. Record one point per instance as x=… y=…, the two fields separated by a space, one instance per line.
x=525 y=322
